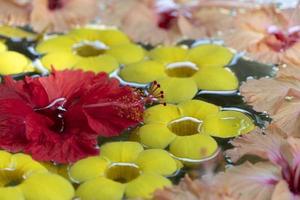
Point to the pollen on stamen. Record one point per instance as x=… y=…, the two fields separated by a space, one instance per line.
x=154 y=94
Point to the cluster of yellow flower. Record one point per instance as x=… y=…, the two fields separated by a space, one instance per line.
x=174 y=135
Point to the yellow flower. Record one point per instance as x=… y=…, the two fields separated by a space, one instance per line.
x=16 y=33
x=123 y=169
x=23 y=178
x=12 y=62
x=187 y=128
x=90 y=49
x=181 y=72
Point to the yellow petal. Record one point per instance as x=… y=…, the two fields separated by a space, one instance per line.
x=11 y=193
x=145 y=185
x=156 y=135
x=196 y=146
x=103 y=63
x=216 y=79
x=88 y=168
x=177 y=90
x=121 y=151
x=109 y=37
x=5 y=158
x=157 y=161
x=14 y=32
x=227 y=124
x=161 y=114
x=210 y=55
x=12 y=62
x=56 y=44
x=127 y=53
x=2 y=47
x=143 y=72
x=197 y=109
x=169 y=54
x=60 y=60
x=47 y=186
x=100 y=189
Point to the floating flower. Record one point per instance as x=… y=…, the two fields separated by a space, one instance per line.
x=58 y=118
x=181 y=72
x=187 y=129
x=15 y=12
x=278 y=178
x=23 y=178
x=272 y=36
x=279 y=96
x=90 y=49
x=124 y=169
x=170 y=20
x=12 y=62
x=16 y=33
x=61 y=15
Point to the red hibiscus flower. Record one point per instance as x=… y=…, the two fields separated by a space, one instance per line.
x=58 y=118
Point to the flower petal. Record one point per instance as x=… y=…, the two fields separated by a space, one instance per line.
x=196 y=146
x=156 y=135
x=56 y=44
x=145 y=185
x=143 y=72
x=47 y=186
x=210 y=55
x=59 y=60
x=100 y=189
x=156 y=161
x=197 y=109
x=109 y=37
x=88 y=168
x=171 y=86
x=227 y=124
x=5 y=158
x=12 y=62
x=161 y=114
x=103 y=63
x=127 y=53
x=121 y=151
x=11 y=193
x=2 y=46
x=214 y=78
x=168 y=54
x=16 y=33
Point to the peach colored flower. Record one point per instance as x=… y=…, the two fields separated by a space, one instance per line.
x=14 y=12
x=279 y=96
x=60 y=15
x=170 y=20
x=267 y=34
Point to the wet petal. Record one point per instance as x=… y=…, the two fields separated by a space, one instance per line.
x=196 y=146
x=12 y=62
x=11 y=193
x=197 y=109
x=161 y=114
x=100 y=189
x=47 y=186
x=156 y=161
x=53 y=45
x=143 y=72
x=145 y=185
x=88 y=168
x=121 y=151
x=127 y=53
x=210 y=55
x=103 y=63
x=216 y=79
x=227 y=124
x=60 y=60
x=109 y=37
x=168 y=54
x=177 y=90
x=156 y=135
